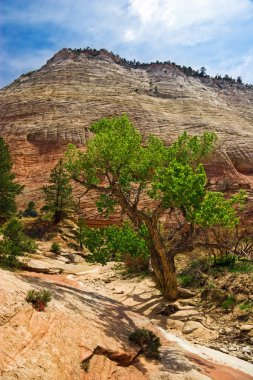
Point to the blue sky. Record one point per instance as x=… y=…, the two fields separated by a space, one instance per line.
x=214 y=34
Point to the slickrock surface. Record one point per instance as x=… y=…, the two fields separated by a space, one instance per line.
x=43 y=111
x=81 y=323
x=52 y=344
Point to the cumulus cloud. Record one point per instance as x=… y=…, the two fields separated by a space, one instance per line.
x=217 y=35
x=188 y=22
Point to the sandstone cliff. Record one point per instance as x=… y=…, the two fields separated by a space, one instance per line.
x=42 y=111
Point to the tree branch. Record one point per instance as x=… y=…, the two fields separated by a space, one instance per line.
x=157 y=213
x=100 y=189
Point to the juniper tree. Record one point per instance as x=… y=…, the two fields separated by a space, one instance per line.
x=58 y=194
x=151 y=182
x=14 y=243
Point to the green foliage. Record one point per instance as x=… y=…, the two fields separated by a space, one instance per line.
x=180 y=185
x=186 y=280
x=39 y=299
x=175 y=173
x=244 y=266
x=58 y=194
x=80 y=232
x=247 y=305
x=215 y=210
x=148 y=342
x=9 y=189
x=15 y=242
x=105 y=205
x=85 y=365
x=55 y=248
x=30 y=210
x=125 y=168
x=115 y=242
x=226 y=260
x=229 y=303
x=194 y=274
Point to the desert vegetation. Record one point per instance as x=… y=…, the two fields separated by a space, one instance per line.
x=39 y=299
x=171 y=180
x=178 y=237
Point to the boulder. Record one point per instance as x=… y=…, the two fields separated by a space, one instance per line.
x=191 y=326
x=186 y=314
x=246 y=328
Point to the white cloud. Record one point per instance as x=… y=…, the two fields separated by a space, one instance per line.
x=129 y=36
x=187 y=22
x=241 y=66
x=190 y=32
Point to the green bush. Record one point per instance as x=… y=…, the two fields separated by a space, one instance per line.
x=226 y=260
x=186 y=280
x=55 y=248
x=85 y=364
x=115 y=242
x=246 y=305
x=39 y=299
x=242 y=266
x=194 y=275
x=30 y=210
x=15 y=243
x=149 y=343
x=229 y=303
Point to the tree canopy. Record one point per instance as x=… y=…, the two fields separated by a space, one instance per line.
x=9 y=189
x=160 y=187
x=14 y=243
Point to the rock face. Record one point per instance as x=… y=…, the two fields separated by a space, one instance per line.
x=83 y=335
x=43 y=111
x=53 y=344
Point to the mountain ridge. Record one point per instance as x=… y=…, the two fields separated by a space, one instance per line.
x=42 y=111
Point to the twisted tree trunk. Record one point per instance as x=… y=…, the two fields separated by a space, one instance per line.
x=164 y=274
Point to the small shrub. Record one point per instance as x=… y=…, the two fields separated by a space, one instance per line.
x=193 y=275
x=85 y=364
x=55 y=248
x=149 y=343
x=30 y=210
x=229 y=303
x=39 y=299
x=186 y=280
x=243 y=266
x=226 y=260
x=247 y=305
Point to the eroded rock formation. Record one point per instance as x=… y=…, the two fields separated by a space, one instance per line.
x=43 y=111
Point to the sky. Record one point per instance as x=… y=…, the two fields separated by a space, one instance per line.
x=215 y=34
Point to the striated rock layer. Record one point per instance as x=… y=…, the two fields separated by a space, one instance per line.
x=43 y=111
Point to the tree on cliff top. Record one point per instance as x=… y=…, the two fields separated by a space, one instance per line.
x=9 y=189
x=58 y=194
x=126 y=170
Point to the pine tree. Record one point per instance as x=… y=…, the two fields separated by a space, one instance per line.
x=8 y=188
x=58 y=194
